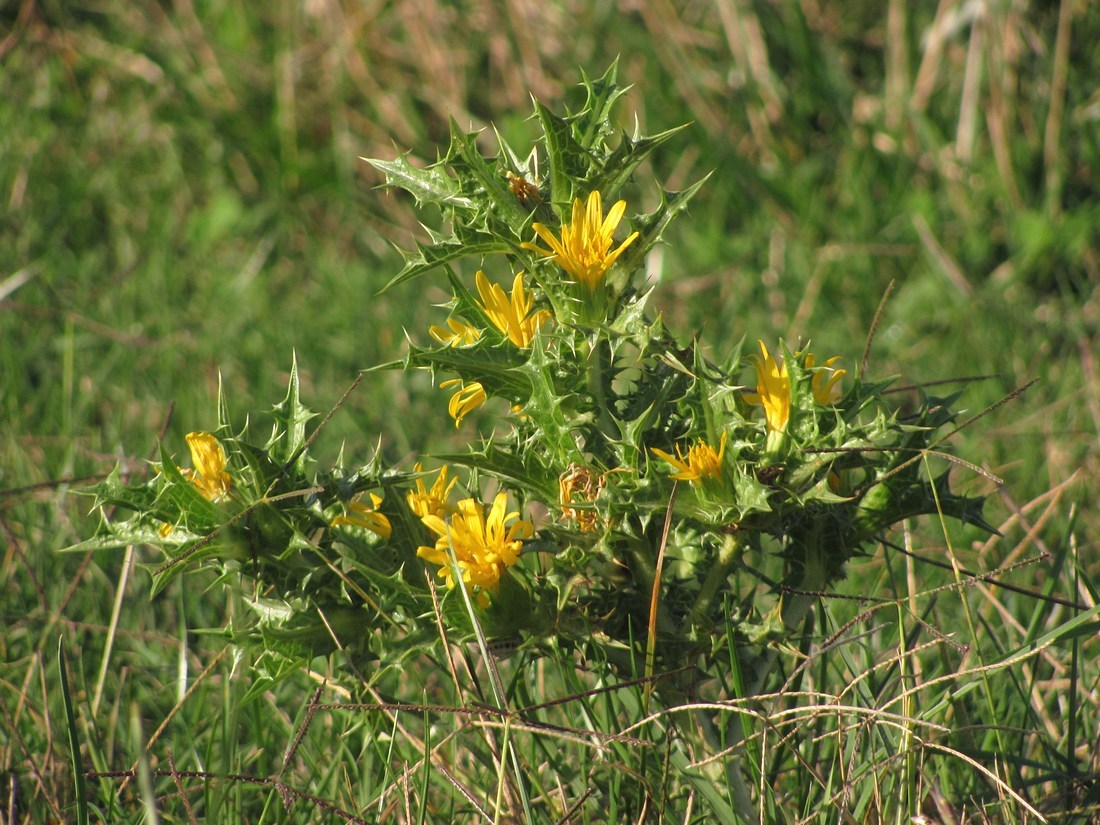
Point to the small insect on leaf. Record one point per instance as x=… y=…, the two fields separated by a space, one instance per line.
x=526 y=193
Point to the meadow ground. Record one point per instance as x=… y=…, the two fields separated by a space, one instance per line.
x=184 y=205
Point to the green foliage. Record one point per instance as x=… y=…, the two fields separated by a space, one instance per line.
x=674 y=496
x=184 y=206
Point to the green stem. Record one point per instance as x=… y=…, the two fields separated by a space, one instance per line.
x=809 y=580
x=643 y=566
x=735 y=777
x=599 y=371
x=728 y=554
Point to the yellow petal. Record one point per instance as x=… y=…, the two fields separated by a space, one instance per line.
x=208 y=460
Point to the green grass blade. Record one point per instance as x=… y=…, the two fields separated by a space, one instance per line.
x=74 y=738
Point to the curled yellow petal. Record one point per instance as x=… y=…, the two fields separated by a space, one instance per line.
x=367 y=517
x=455 y=334
x=826 y=380
x=466 y=399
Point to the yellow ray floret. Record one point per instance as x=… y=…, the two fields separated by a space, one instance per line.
x=773 y=390
x=431 y=502
x=701 y=461
x=466 y=399
x=367 y=516
x=513 y=315
x=208 y=459
x=584 y=250
x=484 y=546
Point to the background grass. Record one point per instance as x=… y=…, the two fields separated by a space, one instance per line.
x=181 y=199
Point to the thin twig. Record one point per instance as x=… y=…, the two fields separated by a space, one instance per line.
x=988 y=577
x=293 y=749
x=655 y=596
x=180 y=790
x=324 y=423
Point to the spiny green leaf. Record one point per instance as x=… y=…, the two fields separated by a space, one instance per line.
x=190 y=555
x=592 y=125
x=520 y=471
x=624 y=160
x=291 y=416
x=180 y=496
x=570 y=165
x=905 y=495
x=427 y=258
x=651 y=226
x=547 y=402
x=112 y=491
x=493 y=364
x=466 y=160
x=117 y=538
x=431 y=185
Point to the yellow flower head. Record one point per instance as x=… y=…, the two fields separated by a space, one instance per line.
x=512 y=316
x=773 y=390
x=431 y=502
x=700 y=462
x=455 y=334
x=484 y=547
x=826 y=380
x=466 y=399
x=360 y=515
x=773 y=386
x=584 y=250
x=208 y=459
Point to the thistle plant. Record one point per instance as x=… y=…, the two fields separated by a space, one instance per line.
x=623 y=496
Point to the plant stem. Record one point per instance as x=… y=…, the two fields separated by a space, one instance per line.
x=599 y=370
x=807 y=580
x=728 y=554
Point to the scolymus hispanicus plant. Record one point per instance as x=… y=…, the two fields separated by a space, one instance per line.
x=621 y=496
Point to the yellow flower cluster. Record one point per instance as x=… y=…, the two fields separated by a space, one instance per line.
x=484 y=547
x=773 y=386
x=583 y=250
x=773 y=390
x=512 y=315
